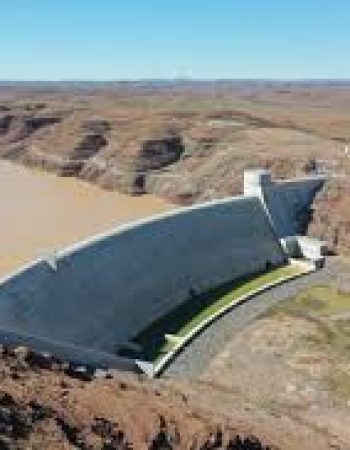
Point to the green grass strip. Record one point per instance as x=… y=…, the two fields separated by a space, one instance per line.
x=184 y=318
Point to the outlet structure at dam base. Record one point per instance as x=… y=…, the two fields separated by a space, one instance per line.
x=88 y=301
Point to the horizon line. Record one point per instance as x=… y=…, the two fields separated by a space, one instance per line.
x=179 y=80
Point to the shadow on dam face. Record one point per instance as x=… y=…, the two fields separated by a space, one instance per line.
x=97 y=295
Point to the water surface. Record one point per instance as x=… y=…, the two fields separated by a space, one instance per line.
x=41 y=212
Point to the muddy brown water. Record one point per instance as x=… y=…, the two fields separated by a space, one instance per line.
x=41 y=212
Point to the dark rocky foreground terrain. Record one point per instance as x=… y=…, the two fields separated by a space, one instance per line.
x=48 y=404
x=45 y=403
x=186 y=142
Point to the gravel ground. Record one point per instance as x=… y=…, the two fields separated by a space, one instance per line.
x=194 y=358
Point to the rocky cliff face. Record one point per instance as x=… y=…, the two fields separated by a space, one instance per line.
x=331 y=215
x=94 y=149
x=16 y=128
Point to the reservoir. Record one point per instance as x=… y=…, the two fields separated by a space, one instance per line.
x=41 y=212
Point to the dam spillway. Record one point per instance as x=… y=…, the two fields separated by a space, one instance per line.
x=90 y=299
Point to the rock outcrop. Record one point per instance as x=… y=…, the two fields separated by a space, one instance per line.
x=16 y=128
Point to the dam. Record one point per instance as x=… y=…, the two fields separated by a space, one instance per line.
x=90 y=300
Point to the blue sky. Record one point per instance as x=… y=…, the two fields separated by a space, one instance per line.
x=119 y=39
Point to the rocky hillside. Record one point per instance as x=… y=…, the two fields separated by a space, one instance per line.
x=185 y=143
x=51 y=405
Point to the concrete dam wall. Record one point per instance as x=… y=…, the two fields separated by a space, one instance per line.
x=91 y=299
x=102 y=292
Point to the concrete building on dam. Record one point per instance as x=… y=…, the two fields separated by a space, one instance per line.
x=90 y=300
